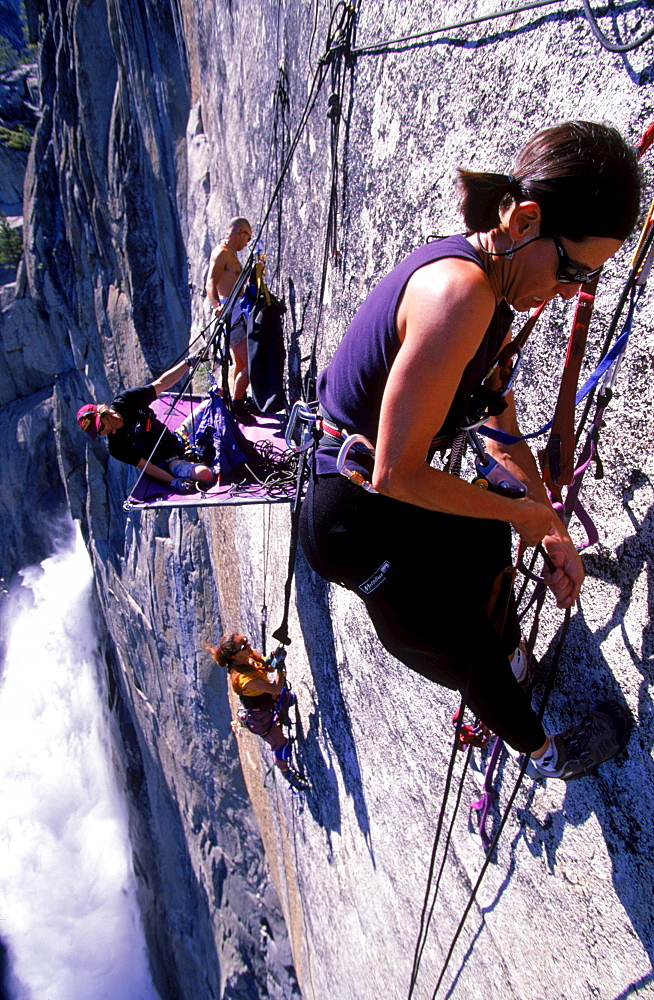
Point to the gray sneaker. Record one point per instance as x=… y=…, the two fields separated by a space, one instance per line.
x=602 y=734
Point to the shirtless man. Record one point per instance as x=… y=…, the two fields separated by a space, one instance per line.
x=224 y=269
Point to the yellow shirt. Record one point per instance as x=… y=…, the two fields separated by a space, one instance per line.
x=251 y=682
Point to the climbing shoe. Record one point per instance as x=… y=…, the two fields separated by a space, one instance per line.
x=245 y=410
x=184 y=486
x=296 y=780
x=579 y=750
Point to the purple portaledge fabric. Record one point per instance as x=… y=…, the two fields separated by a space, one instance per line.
x=173 y=412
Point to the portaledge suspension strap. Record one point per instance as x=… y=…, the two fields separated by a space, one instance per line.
x=557 y=458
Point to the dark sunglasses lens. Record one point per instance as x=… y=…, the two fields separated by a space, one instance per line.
x=571 y=275
x=568 y=273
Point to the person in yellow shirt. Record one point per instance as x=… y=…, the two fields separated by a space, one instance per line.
x=265 y=702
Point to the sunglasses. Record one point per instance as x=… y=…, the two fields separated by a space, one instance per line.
x=568 y=272
x=244 y=645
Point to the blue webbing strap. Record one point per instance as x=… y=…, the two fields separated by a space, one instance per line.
x=587 y=387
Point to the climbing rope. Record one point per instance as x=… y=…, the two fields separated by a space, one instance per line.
x=606 y=42
x=340 y=47
x=507 y=811
x=374 y=48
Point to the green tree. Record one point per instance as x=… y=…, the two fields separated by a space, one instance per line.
x=17 y=137
x=11 y=244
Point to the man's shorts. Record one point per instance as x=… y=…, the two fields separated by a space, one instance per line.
x=238 y=327
x=238 y=332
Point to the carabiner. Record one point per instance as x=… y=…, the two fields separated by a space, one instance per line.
x=355 y=477
x=301 y=413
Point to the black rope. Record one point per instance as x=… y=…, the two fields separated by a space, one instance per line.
x=281 y=633
x=339 y=45
x=425 y=917
x=377 y=46
x=330 y=246
x=266 y=549
x=426 y=921
x=606 y=42
x=509 y=805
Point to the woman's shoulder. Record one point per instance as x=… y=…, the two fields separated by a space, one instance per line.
x=460 y=270
x=447 y=292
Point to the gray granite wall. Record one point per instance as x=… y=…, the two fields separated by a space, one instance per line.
x=159 y=123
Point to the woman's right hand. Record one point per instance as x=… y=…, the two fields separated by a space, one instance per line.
x=533 y=521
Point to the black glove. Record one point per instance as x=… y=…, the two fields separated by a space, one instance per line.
x=193 y=359
x=184 y=486
x=277 y=658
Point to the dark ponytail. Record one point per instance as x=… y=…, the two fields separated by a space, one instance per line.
x=584 y=176
x=482 y=197
x=226 y=650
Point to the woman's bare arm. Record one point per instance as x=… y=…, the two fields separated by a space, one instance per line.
x=566 y=580
x=442 y=318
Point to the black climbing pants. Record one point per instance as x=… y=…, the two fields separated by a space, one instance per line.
x=426 y=579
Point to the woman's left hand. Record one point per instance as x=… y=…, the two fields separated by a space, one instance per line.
x=566 y=579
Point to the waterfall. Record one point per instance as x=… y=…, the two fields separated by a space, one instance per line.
x=68 y=911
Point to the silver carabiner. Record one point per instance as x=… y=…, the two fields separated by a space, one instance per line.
x=352 y=474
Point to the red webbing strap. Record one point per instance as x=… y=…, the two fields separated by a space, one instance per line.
x=557 y=458
x=499 y=374
x=646 y=140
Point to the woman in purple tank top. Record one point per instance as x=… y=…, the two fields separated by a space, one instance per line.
x=426 y=552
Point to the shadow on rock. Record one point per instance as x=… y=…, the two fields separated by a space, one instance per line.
x=329 y=730
x=621 y=793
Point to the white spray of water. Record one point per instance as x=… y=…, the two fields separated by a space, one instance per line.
x=67 y=895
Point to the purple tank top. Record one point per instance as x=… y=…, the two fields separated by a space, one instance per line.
x=351 y=388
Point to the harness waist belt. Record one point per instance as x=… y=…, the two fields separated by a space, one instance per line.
x=328 y=426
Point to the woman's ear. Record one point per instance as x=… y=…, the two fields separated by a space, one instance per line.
x=523 y=220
